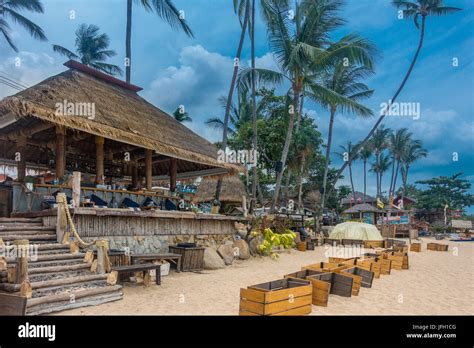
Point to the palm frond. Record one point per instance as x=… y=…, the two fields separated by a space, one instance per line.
x=31 y=27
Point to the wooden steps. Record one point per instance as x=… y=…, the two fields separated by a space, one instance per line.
x=59 y=279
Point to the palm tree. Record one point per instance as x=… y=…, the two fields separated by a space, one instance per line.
x=380 y=167
x=412 y=10
x=182 y=116
x=397 y=144
x=9 y=10
x=166 y=10
x=232 y=87
x=348 y=155
x=379 y=143
x=365 y=153
x=344 y=81
x=91 y=49
x=413 y=152
x=301 y=46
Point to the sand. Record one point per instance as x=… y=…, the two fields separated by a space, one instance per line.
x=437 y=283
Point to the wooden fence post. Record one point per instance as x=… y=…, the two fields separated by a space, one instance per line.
x=21 y=247
x=103 y=265
x=61 y=221
x=76 y=189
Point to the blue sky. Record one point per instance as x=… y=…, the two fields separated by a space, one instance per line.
x=174 y=69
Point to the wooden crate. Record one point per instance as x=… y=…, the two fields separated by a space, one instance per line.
x=332 y=241
x=357 y=280
x=367 y=276
x=385 y=265
x=192 y=259
x=399 y=260
x=324 y=266
x=437 y=247
x=416 y=247
x=374 y=244
x=287 y=296
x=352 y=242
x=343 y=260
x=321 y=288
x=400 y=248
x=339 y=284
x=301 y=246
x=369 y=265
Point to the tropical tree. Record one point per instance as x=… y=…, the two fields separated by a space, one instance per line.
x=344 y=80
x=302 y=49
x=379 y=143
x=379 y=168
x=166 y=10
x=347 y=154
x=92 y=49
x=181 y=115
x=232 y=86
x=365 y=153
x=398 y=141
x=9 y=12
x=412 y=152
x=410 y=10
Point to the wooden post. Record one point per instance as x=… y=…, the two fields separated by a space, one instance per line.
x=21 y=260
x=61 y=220
x=173 y=173
x=76 y=189
x=149 y=168
x=60 y=152
x=134 y=174
x=99 y=160
x=20 y=157
x=244 y=205
x=103 y=265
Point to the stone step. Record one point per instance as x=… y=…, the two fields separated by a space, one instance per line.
x=20 y=224
x=27 y=233
x=27 y=228
x=33 y=238
x=20 y=220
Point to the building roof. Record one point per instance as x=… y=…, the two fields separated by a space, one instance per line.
x=361 y=208
x=231 y=192
x=359 y=198
x=465 y=224
x=120 y=115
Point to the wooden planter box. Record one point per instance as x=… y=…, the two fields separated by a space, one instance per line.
x=372 y=244
x=369 y=265
x=301 y=246
x=343 y=260
x=192 y=258
x=367 y=276
x=416 y=247
x=385 y=264
x=287 y=296
x=352 y=242
x=332 y=241
x=324 y=266
x=399 y=260
x=321 y=288
x=338 y=284
x=437 y=247
x=400 y=248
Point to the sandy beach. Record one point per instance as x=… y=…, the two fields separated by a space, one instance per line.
x=437 y=283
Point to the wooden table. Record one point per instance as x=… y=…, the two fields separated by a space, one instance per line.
x=175 y=258
x=140 y=268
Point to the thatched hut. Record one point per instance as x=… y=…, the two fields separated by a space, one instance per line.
x=232 y=192
x=362 y=213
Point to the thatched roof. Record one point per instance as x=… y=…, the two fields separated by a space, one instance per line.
x=232 y=190
x=361 y=208
x=120 y=115
x=463 y=224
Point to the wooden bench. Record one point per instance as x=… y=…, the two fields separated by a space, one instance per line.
x=12 y=305
x=173 y=258
x=139 y=268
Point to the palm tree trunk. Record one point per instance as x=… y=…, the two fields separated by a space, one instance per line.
x=231 y=92
x=377 y=161
x=300 y=180
x=128 y=42
x=352 y=183
x=391 y=178
x=328 y=154
x=396 y=176
x=286 y=147
x=406 y=180
x=254 y=110
x=287 y=185
x=365 y=180
x=397 y=93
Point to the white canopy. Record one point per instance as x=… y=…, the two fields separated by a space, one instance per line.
x=355 y=230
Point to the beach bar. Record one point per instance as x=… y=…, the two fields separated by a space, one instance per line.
x=117 y=158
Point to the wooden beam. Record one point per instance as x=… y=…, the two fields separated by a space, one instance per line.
x=20 y=157
x=76 y=188
x=60 y=152
x=173 y=173
x=99 y=158
x=149 y=169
